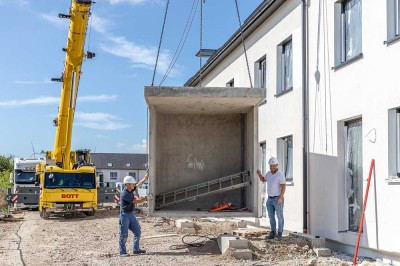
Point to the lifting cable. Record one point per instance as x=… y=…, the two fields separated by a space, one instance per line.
x=159 y=44
x=183 y=39
x=201 y=39
x=244 y=46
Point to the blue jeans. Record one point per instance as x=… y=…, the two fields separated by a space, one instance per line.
x=272 y=207
x=128 y=221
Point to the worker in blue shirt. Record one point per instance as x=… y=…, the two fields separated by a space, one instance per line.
x=127 y=219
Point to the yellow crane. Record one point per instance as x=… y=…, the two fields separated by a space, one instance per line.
x=67 y=182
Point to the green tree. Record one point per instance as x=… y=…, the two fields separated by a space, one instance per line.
x=6 y=167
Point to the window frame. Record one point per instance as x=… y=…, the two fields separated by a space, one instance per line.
x=341 y=58
x=112 y=176
x=281 y=86
x=260 y=72
x=393 y=21
x=283 y=156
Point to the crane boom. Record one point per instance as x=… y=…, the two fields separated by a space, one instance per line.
x=79 y=16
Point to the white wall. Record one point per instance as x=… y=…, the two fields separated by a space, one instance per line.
x=367 y=88
x=280 y=116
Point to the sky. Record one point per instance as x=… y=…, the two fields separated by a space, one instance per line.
x=111 y=112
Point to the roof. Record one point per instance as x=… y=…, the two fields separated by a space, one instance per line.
x=261 y=14
x=119 y=161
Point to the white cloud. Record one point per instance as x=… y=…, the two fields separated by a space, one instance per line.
x=20 y=3
x=100 y=24
x=139 y=55
x=48 y=100
x=99 y=121
x=141 y=147
x=120 y=145
x=55 y=20
x=32 y=82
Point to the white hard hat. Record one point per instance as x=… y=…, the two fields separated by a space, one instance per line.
x=273 y=161
x=129 y=180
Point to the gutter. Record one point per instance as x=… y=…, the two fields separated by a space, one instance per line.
x=305 y=111
x=259 y=16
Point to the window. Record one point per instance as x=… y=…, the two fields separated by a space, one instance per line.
x=263 y=170
x=109 y=164
x=353 y=173
x=398 y=143
x=348 y=28
x=285 y=67
x=285 y=156
x=231 y=83
x=393 y=21
x=132 y=174
x=261 y=73
x=113 y=175
x=263 y=158
x=394 y=143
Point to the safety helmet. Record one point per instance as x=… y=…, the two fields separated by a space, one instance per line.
x=273 y=161
x=129 y=180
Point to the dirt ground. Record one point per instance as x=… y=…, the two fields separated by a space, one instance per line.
x=94 y=241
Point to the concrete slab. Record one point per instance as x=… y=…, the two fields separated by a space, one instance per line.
x=243 y=254
x=315 y=241
x=323 y=252
x=204 y=100
x=186 y=230
x=184 y=223
x=239 y=243
x=223 y=241
x=240 y=224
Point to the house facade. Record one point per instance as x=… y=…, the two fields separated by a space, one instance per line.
x=332 y=106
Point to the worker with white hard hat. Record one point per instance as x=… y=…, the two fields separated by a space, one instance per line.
x=276 y=186
x=127 y=218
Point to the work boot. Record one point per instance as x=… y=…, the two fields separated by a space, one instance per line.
x=279 y=236
x=271 y=235
x=140 y=251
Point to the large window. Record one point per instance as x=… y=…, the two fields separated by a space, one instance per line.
x=260 y=73
x=285 y=156
x=285 y=67
x=348 y=28
x=393 y=19
x=22 y=177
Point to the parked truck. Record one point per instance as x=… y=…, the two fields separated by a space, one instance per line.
x=23 y=179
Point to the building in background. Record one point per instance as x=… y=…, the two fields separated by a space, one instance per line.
x=111 y=168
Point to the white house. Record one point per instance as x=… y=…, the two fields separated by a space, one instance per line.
x=332 y=105
x=113 y=167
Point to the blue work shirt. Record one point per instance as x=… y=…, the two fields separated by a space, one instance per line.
x=127 y=205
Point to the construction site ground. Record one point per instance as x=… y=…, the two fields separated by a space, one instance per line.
x=84 y=240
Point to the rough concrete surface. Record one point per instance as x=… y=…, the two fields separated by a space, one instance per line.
x=94 y=241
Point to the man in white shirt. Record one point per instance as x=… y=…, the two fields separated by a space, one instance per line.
x=276 y=186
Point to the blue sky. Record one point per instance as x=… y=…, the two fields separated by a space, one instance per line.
x=111 y=110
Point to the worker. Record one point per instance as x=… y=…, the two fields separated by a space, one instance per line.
x=81 y=160
x=127 y=219
x=276 y=186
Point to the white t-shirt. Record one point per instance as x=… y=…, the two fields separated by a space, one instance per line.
x=274 y=182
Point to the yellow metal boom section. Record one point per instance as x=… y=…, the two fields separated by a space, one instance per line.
x=79 y=15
